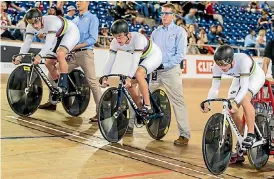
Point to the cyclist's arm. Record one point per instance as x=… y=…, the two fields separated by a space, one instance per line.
x=51 y=35
x=244 y=78
x=28 y=40
x=216 y=81
x=111 y=58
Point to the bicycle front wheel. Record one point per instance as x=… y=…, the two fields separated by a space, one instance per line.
x=216 y=156
x=113 y=117
x=24 y=99
x=258 y=156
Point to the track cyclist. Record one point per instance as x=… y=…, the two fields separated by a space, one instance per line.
x=248 y=78
x=62 y=36
x=146 y=57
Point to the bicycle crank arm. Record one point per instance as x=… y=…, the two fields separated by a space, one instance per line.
x=261 y=142
x=116 y=114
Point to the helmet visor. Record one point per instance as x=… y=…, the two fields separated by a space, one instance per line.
x=221 y=63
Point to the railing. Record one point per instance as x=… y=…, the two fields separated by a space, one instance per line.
x=110 y=37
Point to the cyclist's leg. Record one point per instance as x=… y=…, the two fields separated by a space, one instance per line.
x=232 y=93
x=148 y=65
x=238 y=155
x=53 y=71
x=256 y=82
x=134 y=93
x=143 y=85
x=68 y=42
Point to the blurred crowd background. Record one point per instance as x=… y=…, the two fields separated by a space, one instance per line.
x=207 y=23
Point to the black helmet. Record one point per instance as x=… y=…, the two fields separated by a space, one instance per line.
x=33 y=14
x=119 y=26
x=224 y=55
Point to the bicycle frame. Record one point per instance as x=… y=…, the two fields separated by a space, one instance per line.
x=240 y=138
x=48 y=83
x=122 y=88
x=43 y=75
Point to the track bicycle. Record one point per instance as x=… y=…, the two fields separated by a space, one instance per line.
x=217 y=140
x=114 y=116
x=24 y=89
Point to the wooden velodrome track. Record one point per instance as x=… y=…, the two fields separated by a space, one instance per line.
x=55 y=145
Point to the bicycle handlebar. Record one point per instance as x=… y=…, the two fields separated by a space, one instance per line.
x=217 y=99
x=119 y=75
x=23 y=54
x=32 y=55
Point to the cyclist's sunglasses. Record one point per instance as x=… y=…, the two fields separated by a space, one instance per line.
x=166 y=13
x=221 y=63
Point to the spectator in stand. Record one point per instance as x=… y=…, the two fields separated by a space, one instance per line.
x=19 y=34
x=192 y=48
x=253 y=7
x=52 y=11
x=210 y=11
x=190 y=18
x=118 y=11
x=250 y=39
x=104 y=41
x=212 y=39
x=71 y=11
x=131 y=9
x=60 y=7
x=39 y=5
x=186 y=6
x=146 y=8
x=263 y=22
x=56 y=10
x=191 y=32
x=5 y=21
x=202 y=48
x=201 y=6
x=219 y=34
x=202 y=35
x=261 y=41
x=178 y=7
x=13 y=5
x=272 y=22
x=179 y=21
x=265 y=6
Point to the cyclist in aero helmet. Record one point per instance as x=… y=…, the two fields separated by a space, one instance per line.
x=57 y=29
x=146 y=57
x=248 y=78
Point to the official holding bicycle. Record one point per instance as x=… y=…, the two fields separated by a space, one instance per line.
x=172 y=40
x=269 y=55
x=87 y=24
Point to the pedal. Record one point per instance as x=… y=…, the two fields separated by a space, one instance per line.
x=54 y=98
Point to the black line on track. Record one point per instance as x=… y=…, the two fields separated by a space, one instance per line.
x=31 y=137
x=151 y=152
x=107 y=150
